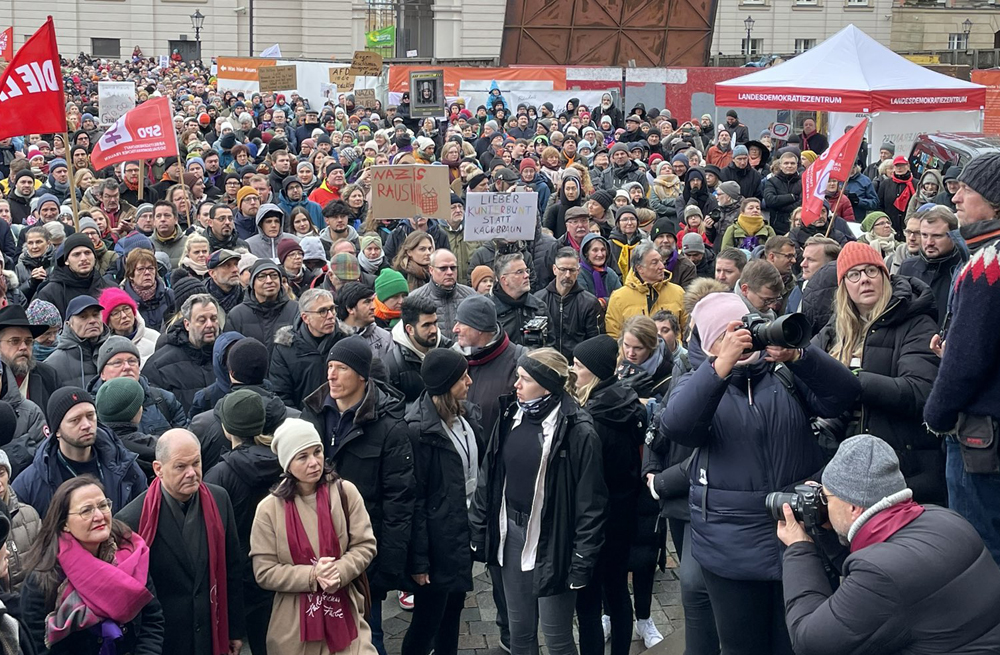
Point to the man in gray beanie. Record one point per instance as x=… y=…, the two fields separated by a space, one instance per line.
x=918 y=578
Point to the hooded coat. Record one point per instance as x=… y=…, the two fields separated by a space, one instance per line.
x=266 y=247
x=213 y=393
x=262 y=320
x=298 y=361
x=748 y=449
x=30 y=430
x=897 y=372
x=63 y=285
x=701 y=197
x=179 y=367
x=920 y=198
x=555 y=215
x=75 y=359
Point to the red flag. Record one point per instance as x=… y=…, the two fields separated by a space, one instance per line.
x=31 y=87
x=146 y=132
x=834 y=164
x=7 y=44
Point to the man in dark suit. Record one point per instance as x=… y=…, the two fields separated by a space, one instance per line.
x=195 y=553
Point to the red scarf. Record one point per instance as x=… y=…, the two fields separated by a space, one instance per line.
x=322 y=616
x=904 y=196
x=885 y=524
x=218 y=593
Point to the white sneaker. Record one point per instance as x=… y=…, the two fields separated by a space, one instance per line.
x=646 y=629
x=606 y=625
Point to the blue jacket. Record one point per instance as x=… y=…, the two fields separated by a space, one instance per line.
x=121 y=476
x=315 y=211
x=861 y=186
x=246 y=226
x=207 y=398
x=753 y=437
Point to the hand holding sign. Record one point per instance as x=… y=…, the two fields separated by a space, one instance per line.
x=509 y=216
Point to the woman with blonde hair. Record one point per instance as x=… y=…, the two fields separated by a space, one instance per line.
x=881 y=330
x=620 y=422
x=311 y=540
x=539 y=507
x=646 y=364
x=414 y=258
x=195 y=259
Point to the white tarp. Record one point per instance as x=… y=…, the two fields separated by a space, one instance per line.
x=902 y=128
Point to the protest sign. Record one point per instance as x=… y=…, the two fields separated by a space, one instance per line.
x=328 y=91
x=342 y=77
x=164 y=61
x=277 y=78
x=364 y=98
x=501 y=215
x=366 y=63
x=408 y=190
x=113 y=100
x=427 y=94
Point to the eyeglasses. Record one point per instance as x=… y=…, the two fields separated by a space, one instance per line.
x=911 y=233
x=17 y=342
x=323 y=311
x=870 y=271
x=145 y=269
x=269 y=276
x=786 y=255
x=770 y=301
x=87 y=512
x=122 y=363
x=569 y=269
x=446 y=268
x=520 y=273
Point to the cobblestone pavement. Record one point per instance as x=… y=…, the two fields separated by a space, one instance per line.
x=479 y=634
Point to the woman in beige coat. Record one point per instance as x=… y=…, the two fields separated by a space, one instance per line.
x=309 y=552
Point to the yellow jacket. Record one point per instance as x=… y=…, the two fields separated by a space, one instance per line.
x=635 y=296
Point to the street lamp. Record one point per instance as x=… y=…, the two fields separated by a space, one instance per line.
x=197 y=20
x=748 y=23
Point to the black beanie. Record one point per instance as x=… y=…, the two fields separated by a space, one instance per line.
x=8 y=424
x=603 y=197
x=441 y=369
x=599 y=354
x=186 y=286
x=355 y=353
x=982 y=175
x=242 y=413
x=63 y=400
x=247 y=361
x=72 y=242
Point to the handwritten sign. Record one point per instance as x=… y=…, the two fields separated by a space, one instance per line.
x=501 y=216
x=113 y=100
x=364 y=98
x=408 y=190
x=366 y=63
x=277 y=78
x=342 y=78
x=164 y=61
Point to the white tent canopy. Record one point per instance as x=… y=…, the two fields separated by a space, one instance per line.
x=850 y=72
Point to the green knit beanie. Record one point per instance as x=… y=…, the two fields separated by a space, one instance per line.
x=243 y=414
x=389 y=283
x=118 y=400
x=866 y=225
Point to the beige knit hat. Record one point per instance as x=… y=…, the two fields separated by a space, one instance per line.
x=292 y=437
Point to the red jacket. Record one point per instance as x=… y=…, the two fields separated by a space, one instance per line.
x=324 y=194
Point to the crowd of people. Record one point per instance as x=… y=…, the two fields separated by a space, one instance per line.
x=322 y=410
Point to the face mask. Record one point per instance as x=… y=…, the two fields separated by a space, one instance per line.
x=538 y=407
x=41 y=351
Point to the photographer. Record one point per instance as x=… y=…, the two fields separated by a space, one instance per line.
x=753 y=436
x=516 y=307
x=918 y=579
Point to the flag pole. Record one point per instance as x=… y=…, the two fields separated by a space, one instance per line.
x=833 y=210
x=142 y=177
x=72 y=185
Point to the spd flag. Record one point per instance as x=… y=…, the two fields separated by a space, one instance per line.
x=31 y=87
x=146 y=132
x=834 y=164
x=7 y=44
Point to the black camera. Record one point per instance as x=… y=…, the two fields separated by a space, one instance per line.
x=806 y=502
x=536 y=332
x=789 y=331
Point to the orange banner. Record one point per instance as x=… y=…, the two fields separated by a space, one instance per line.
x=399 y=76
x=991 y=115
x=241 y=68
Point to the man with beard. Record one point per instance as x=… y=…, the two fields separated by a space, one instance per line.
x=281 y=169
x=292 y=196
x=895 y=192
x=213 y=171
x=720 y=154
x=355 y=310
x=168 y=237
x=76 y=356
x=78 y=446
x=224 y=279
x=247 y=204
x=36 y=381
x=80 y=157
x=74 y=274
x=337 y=216
x=108 y=194
x=740 y=171
x=183 y=364
x=221 y=232
x=129 y=188
x=623 y=170
x=266 y=307
x=413 y=337
x=694 y=250
x=444 y=288
x=939 y=258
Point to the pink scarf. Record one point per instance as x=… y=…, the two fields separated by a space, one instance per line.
x=218 y=591
x=885 y=524
x=96 y=591
x=323 y=616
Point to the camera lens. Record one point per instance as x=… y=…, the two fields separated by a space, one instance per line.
x=775 y=502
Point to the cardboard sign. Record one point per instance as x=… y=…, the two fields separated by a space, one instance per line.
x=164 y=61
x=409 y=190
x=501 y=216
x=277 y=78
x=113 y=100
x=366 y=63
x=364 y=98
x=342 y=78
x=427 y=94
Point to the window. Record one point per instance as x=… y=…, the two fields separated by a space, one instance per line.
x=857 y=3
x=801 y=45
x=110 y=48
x=806 y=3
x=958 y=41
x=752 y=2
x=756 y=46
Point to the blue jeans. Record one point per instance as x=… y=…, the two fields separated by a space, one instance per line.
x=976 y=496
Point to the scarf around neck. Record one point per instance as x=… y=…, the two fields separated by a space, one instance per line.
x=199 y=269
x=323 y=616
x=390 y=316
x=99 y=595
x=903 y=199
x=597 y=275
x=750 y=224
x=884 y=519
x=218 y=591
x=370 y=265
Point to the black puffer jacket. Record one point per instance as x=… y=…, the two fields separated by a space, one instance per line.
x=782 y=194
x=441 y=533
x=143 y=445
x=63 y=285
x=899 y=596
x=748 y=178
x=298 y=361
x=818 y=296
x=179 y=367
x=937 y=274
x=575 y=317
x=252 y=318
x=897 y=373
x=377 y=457
x=513 y=314
x=573 y=510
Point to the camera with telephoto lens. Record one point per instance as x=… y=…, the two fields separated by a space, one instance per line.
x=536 y=332
x=806 y=502
x=789 y=331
